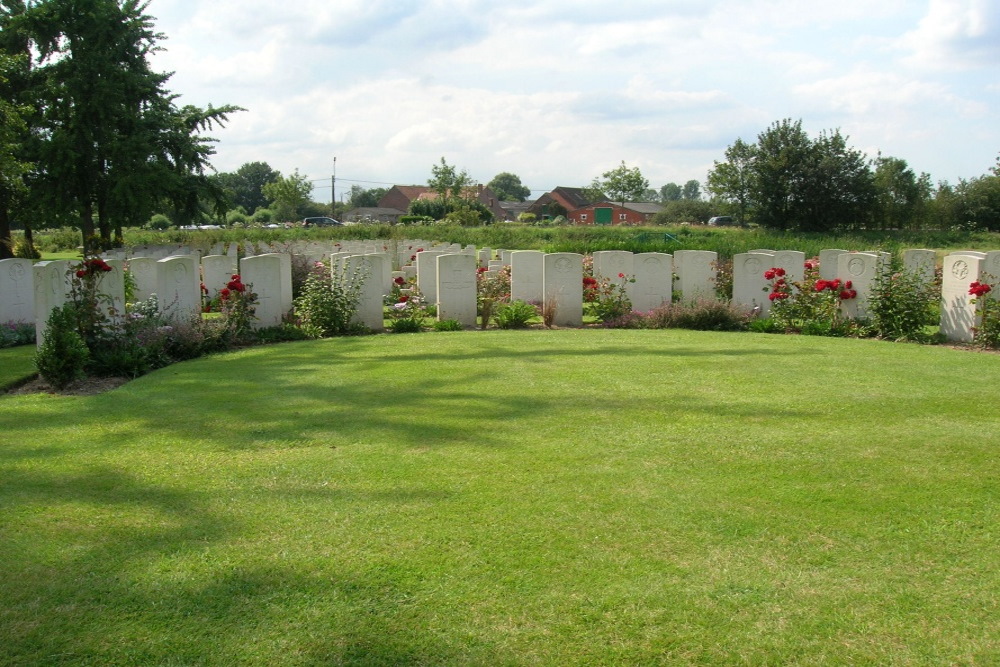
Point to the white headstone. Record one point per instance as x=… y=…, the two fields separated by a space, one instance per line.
x=828 y=263
x=696 y=274
x=17 y=293
x=793 y=262
x=991 y=267
x=526 y=269
x=750 y=287
x=958 y=313
x=369 y=269
x=427 y=274
x=178 y=289
x=861 y=269
x=269 y=276
x=920 y=263
x=111 y=284
x=456 y=288
x=52 y=284
x=653 y=281
x=216 y=271
x=145 y=272
x=562 y=288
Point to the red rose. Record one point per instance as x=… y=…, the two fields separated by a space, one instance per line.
x=621 y=275
x=769 y=274
x=224 y=293
x=772 y=296
x=807 y=265
x=848 y=284
x=779 y=272
x=81 y=273
x=400 y=280
x=404 y=299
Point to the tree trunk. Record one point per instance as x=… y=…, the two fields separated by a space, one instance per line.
x=6 y=240
x=87 y=227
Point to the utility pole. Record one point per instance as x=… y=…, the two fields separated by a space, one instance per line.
x=333 y=190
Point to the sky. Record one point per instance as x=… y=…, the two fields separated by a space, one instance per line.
x=561 y=91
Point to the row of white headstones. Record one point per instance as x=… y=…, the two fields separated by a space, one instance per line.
x=446 y=276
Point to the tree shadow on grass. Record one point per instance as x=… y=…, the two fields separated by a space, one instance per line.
x=339 y=392
x=100 y=567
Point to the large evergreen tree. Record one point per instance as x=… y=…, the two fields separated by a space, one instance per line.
x=112 y=145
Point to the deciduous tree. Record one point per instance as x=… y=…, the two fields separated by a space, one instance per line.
x=288 y=194
x=508 y=187
x=622 y=184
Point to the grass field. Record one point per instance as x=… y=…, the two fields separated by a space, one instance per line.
x=511 y=498
x=16 y=365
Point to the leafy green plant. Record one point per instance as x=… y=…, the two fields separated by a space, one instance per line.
x=448 y=325
x=610 y=298
x=811 y=303
x=514 y=315
x=25 y=249
x=328 y=304
x=63 y=355
x=986 y=333
x=238 y=307
x=700 y=315
x=282 y=333
x=13 y=334
x=160 y=222
x=901 y=305
x=492 y=289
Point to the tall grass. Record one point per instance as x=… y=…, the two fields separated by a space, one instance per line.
x=727 y=242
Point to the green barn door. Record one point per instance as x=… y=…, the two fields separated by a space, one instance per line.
x=602 y=216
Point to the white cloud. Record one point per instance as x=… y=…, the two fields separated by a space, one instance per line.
x=559 y=91
x=956 y=34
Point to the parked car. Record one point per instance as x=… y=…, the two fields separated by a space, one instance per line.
x=721 y=221
x=321 y=222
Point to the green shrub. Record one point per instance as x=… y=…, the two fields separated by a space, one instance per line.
x=160 y=222
x=415 y=219
x=448 y=325
x=328 y=304
x=13 y=334
x=406 y=325
x=235 y=216
x=765 y=325
x=24 y=249
x=264 y=215
x=609 y=299
x=283 y=333
x=62 y=357
x=901 y=305
x=514 y=315
x=700 y=315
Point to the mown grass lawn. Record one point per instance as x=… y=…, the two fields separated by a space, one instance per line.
x=17 y=364
x=507 y=498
